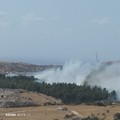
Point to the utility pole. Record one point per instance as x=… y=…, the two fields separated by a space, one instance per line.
x=97 y=57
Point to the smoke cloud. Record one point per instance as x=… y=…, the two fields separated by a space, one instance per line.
x=106 y=75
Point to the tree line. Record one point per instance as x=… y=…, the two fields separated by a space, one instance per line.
x=69 y=93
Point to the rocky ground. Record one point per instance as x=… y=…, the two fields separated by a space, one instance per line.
x=21 y=98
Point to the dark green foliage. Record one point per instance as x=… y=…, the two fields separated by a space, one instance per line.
x=117 y=116
x=113 y=95
x=68 y=93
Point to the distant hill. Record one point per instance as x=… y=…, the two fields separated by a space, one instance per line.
x=10 y=67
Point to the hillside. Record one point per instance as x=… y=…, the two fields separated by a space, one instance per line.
x=9 y=67
x=22 y=98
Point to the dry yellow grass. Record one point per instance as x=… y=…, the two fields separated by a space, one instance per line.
x=51 y=112
x=39 y=99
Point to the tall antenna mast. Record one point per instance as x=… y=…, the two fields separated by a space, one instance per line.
x=97 y=57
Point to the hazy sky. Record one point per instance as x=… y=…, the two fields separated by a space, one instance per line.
x=55 y=31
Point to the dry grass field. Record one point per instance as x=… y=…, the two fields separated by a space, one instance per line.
x=51 y=112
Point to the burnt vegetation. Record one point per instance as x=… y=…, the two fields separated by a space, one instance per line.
x=68 y=93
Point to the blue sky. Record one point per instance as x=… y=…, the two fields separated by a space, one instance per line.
x=55 y=31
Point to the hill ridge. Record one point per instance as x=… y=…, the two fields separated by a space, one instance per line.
x=13 y=67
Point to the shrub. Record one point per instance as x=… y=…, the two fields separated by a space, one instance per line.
x=117 y=116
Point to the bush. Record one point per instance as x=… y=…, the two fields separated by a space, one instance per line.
x=99 y=103
x=117 y=116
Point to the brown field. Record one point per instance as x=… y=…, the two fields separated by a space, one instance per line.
x=51 y=112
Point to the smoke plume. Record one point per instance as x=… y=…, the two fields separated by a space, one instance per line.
x=106 y=75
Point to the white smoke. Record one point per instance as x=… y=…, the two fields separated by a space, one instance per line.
x=106 y=75
x=72 y=72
